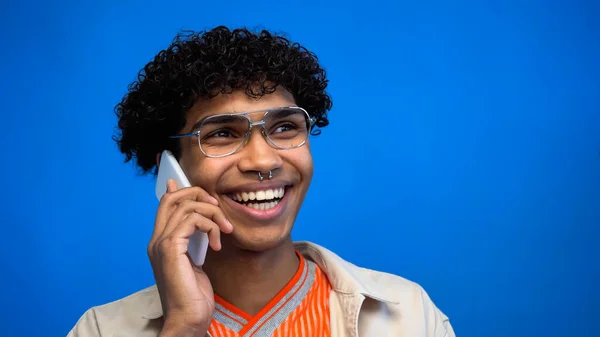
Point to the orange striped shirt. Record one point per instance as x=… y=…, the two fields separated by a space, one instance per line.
x=301 y=308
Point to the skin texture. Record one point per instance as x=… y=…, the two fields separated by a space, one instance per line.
x=250 y=259
x=218 y=176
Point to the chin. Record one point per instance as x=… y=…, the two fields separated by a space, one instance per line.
x=260 y=239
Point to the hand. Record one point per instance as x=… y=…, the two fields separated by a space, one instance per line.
x=185 y=290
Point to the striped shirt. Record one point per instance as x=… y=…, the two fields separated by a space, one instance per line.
x=301 y=308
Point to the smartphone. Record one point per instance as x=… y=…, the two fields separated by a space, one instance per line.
x=169 y=169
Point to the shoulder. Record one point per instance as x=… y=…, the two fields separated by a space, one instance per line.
x=142 y=303
x=348 y=277
x=402 y=294
x=389 y=298
x=133 y=313
x=404 y=306
x=392 y=287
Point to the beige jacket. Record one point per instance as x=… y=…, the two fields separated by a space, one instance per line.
x=363 y=303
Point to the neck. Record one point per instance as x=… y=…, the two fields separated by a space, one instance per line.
x=248 y=279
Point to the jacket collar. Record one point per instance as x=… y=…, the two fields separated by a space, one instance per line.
x=343 y=276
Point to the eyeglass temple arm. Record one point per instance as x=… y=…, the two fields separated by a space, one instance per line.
x=193 y=134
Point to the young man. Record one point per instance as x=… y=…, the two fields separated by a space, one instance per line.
x=236 y=108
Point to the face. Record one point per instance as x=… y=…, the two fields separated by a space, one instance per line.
x=232 y=178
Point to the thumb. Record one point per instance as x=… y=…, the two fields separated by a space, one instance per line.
x=171 y=185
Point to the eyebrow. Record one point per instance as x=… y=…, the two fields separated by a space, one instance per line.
x=231 y=116
x=196 y=125
x=282 y=112
x=217 y=119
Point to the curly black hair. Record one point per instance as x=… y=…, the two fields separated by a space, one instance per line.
x=203 y=65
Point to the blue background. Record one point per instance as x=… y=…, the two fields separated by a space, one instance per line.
x=463 y=153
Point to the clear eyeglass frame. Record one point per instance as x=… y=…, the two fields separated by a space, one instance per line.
x=252 y=124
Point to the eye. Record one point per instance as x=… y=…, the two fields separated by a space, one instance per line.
x=284 y=128
x=223 y=133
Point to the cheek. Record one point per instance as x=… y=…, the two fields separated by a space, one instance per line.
x=204 y=173
x=303 y=162
x=204 y=177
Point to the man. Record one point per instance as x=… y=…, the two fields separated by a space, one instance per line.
x=236 y=109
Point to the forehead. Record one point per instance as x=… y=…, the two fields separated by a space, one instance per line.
x=236 y=102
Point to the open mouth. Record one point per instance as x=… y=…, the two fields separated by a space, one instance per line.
x=261 y=200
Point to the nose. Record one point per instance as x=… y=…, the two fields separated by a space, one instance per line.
x=258 y=155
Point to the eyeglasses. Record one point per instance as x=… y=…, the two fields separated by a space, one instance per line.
x=225 y=134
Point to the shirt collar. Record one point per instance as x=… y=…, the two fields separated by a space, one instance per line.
x=343 y=276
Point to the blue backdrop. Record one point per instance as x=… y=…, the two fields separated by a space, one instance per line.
x=463 y=153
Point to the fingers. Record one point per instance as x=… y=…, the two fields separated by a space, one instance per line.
x=176 y=243
x=192 y=193
x=181 y=213
x=195 y=222
x=171 y=199
x=187 y=208
x=171 y=185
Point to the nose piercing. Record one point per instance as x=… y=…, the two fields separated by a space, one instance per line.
x=260 y=176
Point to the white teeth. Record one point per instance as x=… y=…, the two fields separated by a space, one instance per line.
x=269 y=194
x=259 y=195
x=263 y=206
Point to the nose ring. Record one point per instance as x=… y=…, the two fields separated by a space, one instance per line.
x=260 y=176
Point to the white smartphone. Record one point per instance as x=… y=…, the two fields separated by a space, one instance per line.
x=169 y=169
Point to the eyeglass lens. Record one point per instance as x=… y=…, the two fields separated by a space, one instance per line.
x=223 y=134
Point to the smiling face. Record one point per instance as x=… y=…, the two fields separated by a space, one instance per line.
x=262 y=211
